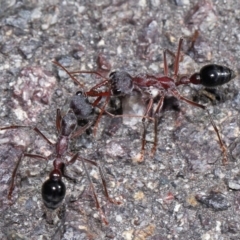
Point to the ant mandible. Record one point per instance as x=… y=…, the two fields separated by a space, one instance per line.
x=54 y=189
x=121 y=83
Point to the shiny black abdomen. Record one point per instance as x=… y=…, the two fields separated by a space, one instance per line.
x=213 y=75
x=53 y=193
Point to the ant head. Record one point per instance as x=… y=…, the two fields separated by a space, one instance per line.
x=80 y=105
x=121 y=83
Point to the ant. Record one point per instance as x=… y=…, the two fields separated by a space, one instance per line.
x=121 y=84
x=54 y=189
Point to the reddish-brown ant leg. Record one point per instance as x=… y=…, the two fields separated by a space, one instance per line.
x=100 y=115
x=171 y=53
x=94 y=194
x=156 y=114
x=165 y=63
x=125 y=115
x=58 y=120
x=221 y=143
x=71 y=161
x=142 y=153
x=93 y=72
x=72 y=77
x=81 y=130
x=76 y=156
x=99 y=85
x=101 y=112
x=33 y=128
x=177 y=59
x=103 y=180
x=149 y=107
x=100 y=95
x=42 y=135
x=88 y=72
x=97 y=101
x=11 y=187
x=94 y=93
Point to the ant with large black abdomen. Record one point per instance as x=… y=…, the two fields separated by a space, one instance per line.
x=54 y=189
x=121 y=83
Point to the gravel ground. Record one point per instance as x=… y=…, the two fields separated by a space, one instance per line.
x=184 y=191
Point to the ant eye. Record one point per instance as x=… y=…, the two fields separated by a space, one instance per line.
x=79 y=93
x=112 y=74
x=116 y=92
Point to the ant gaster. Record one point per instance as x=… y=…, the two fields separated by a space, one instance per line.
x=121 y=84
x=54 y=189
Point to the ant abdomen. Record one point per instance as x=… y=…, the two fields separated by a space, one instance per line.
x=53 y=190
x=121 y=83
x=213 y=75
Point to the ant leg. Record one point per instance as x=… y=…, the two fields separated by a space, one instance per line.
x=171 y=53
x=89 y=72
x=93 y=93
x=100 y=115
x=99 y=84
x=73 y=159
x=42 y=135
x=156 y=114
x=11 y=187
x=221 y=143
x=72 y=77
x=148 y=109
x=32 y=128
x=177 y=59
x=96 y=86
x=70 y=162
x=97 y=101
x=125 y=115
x=58 y=120
x=76 y=156
x=104 y=182
x=81 y=130
x=165 y=63
x=103 y=217
x=14 y=127
x=142 y=153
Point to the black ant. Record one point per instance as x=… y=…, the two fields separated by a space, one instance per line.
x=53 y=189
x=121 y=83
